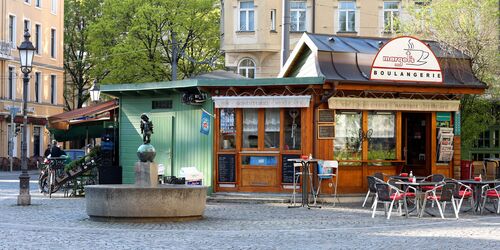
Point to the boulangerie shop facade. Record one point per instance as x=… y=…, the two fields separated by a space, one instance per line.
x=395 y=103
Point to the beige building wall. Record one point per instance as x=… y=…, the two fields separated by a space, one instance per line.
x=49 y=15
x=263 y=44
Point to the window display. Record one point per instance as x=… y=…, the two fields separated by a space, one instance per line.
x=272 y=128
x=250 y=128
x=292 y=128
x=382 y=143
x=227 y=129
x=347 y=144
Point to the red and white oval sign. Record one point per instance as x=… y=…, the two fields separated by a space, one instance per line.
x=406 y=59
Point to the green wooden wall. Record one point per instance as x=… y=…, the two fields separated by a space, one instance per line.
x=190 y=148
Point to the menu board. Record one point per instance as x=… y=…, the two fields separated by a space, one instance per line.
x=287 y=168
x=326 y=115
x=226 y=165
x=326 y=131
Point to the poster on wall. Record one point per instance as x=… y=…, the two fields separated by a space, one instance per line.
x=205 y=123
x=445 y=144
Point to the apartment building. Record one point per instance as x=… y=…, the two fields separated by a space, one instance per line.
x=252 y=29
x=44 y=20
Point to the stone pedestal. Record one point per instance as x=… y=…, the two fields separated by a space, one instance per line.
x=146 y=174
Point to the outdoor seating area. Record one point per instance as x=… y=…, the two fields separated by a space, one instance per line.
x=431 y=195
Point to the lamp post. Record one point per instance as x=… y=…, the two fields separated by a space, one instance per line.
x=95 y=92
x=26 y=52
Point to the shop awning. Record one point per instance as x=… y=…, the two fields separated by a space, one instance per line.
x=393 y=104
x=87 y=114
x=299 y=101
x=81 y=131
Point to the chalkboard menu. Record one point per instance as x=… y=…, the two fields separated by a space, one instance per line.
x=326 y=115
x=226 y=168
x=326 y=131
x=287 y=168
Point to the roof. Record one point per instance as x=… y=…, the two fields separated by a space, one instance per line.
x=83 y=112
x=349 y=59
x=371 y=45
x=219 y=74
x=153 y=88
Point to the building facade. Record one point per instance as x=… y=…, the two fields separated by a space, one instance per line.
x=44 y=20
x=252 y=30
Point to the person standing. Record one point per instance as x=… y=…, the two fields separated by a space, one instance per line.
x=47 y=151
x=55 y=151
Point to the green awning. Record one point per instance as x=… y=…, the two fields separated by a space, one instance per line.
x=80 y=131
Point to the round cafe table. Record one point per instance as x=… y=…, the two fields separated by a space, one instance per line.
x=306 y=163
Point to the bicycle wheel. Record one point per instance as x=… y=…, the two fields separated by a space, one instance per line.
x=43 y=184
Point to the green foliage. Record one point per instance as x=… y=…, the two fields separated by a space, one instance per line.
x=478 y=114
x=470 y=26
x=135 y=40
x=78 y=15
x=381 y=154
x=74 y=165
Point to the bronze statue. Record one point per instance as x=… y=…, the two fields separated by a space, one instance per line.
x=146 y=128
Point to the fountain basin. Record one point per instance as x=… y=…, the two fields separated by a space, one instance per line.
x=134 y=203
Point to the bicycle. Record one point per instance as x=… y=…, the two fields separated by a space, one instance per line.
x=47 y=180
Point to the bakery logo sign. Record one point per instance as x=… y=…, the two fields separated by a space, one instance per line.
x=406 y=59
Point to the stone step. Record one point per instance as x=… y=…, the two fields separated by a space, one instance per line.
x=277 y=198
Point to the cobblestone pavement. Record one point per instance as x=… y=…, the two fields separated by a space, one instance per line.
x=61 y=223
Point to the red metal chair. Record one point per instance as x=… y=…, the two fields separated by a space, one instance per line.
x=490 y=194
x=432 y=178
x=441 y=194
x=388 y=195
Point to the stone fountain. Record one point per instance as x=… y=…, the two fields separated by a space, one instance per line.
x=145 y=200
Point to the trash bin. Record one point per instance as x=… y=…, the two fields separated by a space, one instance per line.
x=466 y=169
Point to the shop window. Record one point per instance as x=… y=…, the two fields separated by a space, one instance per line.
x=272 y=128
x=250 y=128
x=347 y=16
x=381 y=136
x=227 y=129
x=292 y=128
x=391 y=14
x=297 y=16
x=246 y=68
x=347 y=142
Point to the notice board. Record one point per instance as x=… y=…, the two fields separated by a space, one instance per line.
x=287 y=168
x=226 y=168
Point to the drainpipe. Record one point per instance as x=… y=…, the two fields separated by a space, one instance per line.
x=314 y=17
x=285 y=34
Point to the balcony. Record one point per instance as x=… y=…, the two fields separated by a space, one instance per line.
x=5 y=50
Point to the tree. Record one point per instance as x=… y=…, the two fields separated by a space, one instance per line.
x=78 y=15
x=470 y=26
x=142 y=41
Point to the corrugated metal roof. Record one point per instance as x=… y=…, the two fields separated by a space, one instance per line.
x=371 y=45
x=344 y=59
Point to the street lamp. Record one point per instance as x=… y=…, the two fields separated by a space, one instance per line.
x=95 y=92
x=26 y=52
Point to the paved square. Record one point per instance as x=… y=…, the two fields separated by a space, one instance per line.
x=61 y=223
